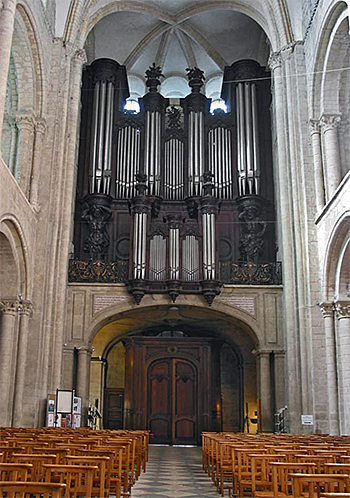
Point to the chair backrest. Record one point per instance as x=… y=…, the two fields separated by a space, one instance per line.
x=15 y=471
x=314 y=484
x=78 y=478
x=31 y=489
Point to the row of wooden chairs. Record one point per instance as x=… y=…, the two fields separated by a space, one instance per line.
x=89 y=463
x=273 y=466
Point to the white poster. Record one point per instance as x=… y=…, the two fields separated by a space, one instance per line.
x=64 y=401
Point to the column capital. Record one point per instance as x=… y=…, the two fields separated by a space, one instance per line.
x=330 y=121
x=40 y=125
x=281 y=353
x=342 y=309
x=315 y=126
x=10 y=306
x=327 y=309
x=259 y=353
x=275 y=60
x=86 y=350
x=25 y=122
x=75 y=53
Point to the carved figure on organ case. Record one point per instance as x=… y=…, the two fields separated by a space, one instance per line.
x=97 y=242
x=253 y=230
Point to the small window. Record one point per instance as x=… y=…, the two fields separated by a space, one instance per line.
x=132 y=106
x=218 y=105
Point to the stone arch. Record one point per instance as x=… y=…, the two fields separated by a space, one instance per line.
x=325 y=85
x=226 y=312
x=272 y=17
x=337 y=261
x=28 y=41
x=13 y=259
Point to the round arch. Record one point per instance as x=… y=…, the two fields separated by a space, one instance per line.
x=336 y=266
x=14 y=260
x=221 y=311
x=325 y=86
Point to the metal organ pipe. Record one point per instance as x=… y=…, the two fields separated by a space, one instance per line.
x=95 y=115
x=256 y=152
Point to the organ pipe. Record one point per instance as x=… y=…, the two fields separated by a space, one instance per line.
x=174 y=253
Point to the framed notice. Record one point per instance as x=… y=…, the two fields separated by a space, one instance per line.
x=307 y=420
x=64 y=401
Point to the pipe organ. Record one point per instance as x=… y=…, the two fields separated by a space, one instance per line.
x=174 y=199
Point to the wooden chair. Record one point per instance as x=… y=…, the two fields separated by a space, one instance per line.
x=102 y=478
x=37 y=460
x=15 y=471
x=315 y=484
x=78 y=478
x=31 y=489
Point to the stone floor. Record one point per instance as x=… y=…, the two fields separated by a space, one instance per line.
x=174 y=472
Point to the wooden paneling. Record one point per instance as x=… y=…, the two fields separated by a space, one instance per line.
x=114 y=408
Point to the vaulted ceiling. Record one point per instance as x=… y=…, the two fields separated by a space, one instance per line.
x=209 y=40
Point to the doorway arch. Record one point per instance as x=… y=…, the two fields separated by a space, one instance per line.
x=243 y=341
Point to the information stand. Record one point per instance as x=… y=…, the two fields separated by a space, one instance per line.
x=68 y=409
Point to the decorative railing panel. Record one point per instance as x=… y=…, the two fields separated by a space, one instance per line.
x=98 y=271
x=250 y=273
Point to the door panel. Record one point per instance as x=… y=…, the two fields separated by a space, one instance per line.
x=114 y=407
x=172 y=401
x=159 y=400
x=185 y=402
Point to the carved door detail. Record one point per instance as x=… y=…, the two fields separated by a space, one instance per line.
x=172 y=401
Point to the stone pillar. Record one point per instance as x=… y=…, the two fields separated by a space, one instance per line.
x=280 y=397
x=343 y=316
x=21 y=368
x=8 y=346
x=67 y=367
x=83 y=379
x=315 y=131
x=25 y=125
x=331 y=365
x=7 y=17
x=282 y=169
x=332 y=170
x=98 y=368
x=265 y=394
x=40 y=128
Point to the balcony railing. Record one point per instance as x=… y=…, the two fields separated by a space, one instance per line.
x=249 y=273
x=98 y=271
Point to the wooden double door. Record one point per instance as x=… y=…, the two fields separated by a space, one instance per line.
x=172 y=401
x=172 y=387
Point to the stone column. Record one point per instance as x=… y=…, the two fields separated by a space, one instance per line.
x=315 y=131
x=282 y=170
x=331 y=365
x=25 y=125
x=332 y=170
x=83 y=379
x=67 y=367
x=265 y=394
x=25 y=310
x=40 y=128
x=7 y=17
x=343 y=316
x=279 y=379
x=8 y=345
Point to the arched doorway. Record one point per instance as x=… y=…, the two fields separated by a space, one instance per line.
x=176 y=373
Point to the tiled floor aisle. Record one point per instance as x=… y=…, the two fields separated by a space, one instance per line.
x=174 y=473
